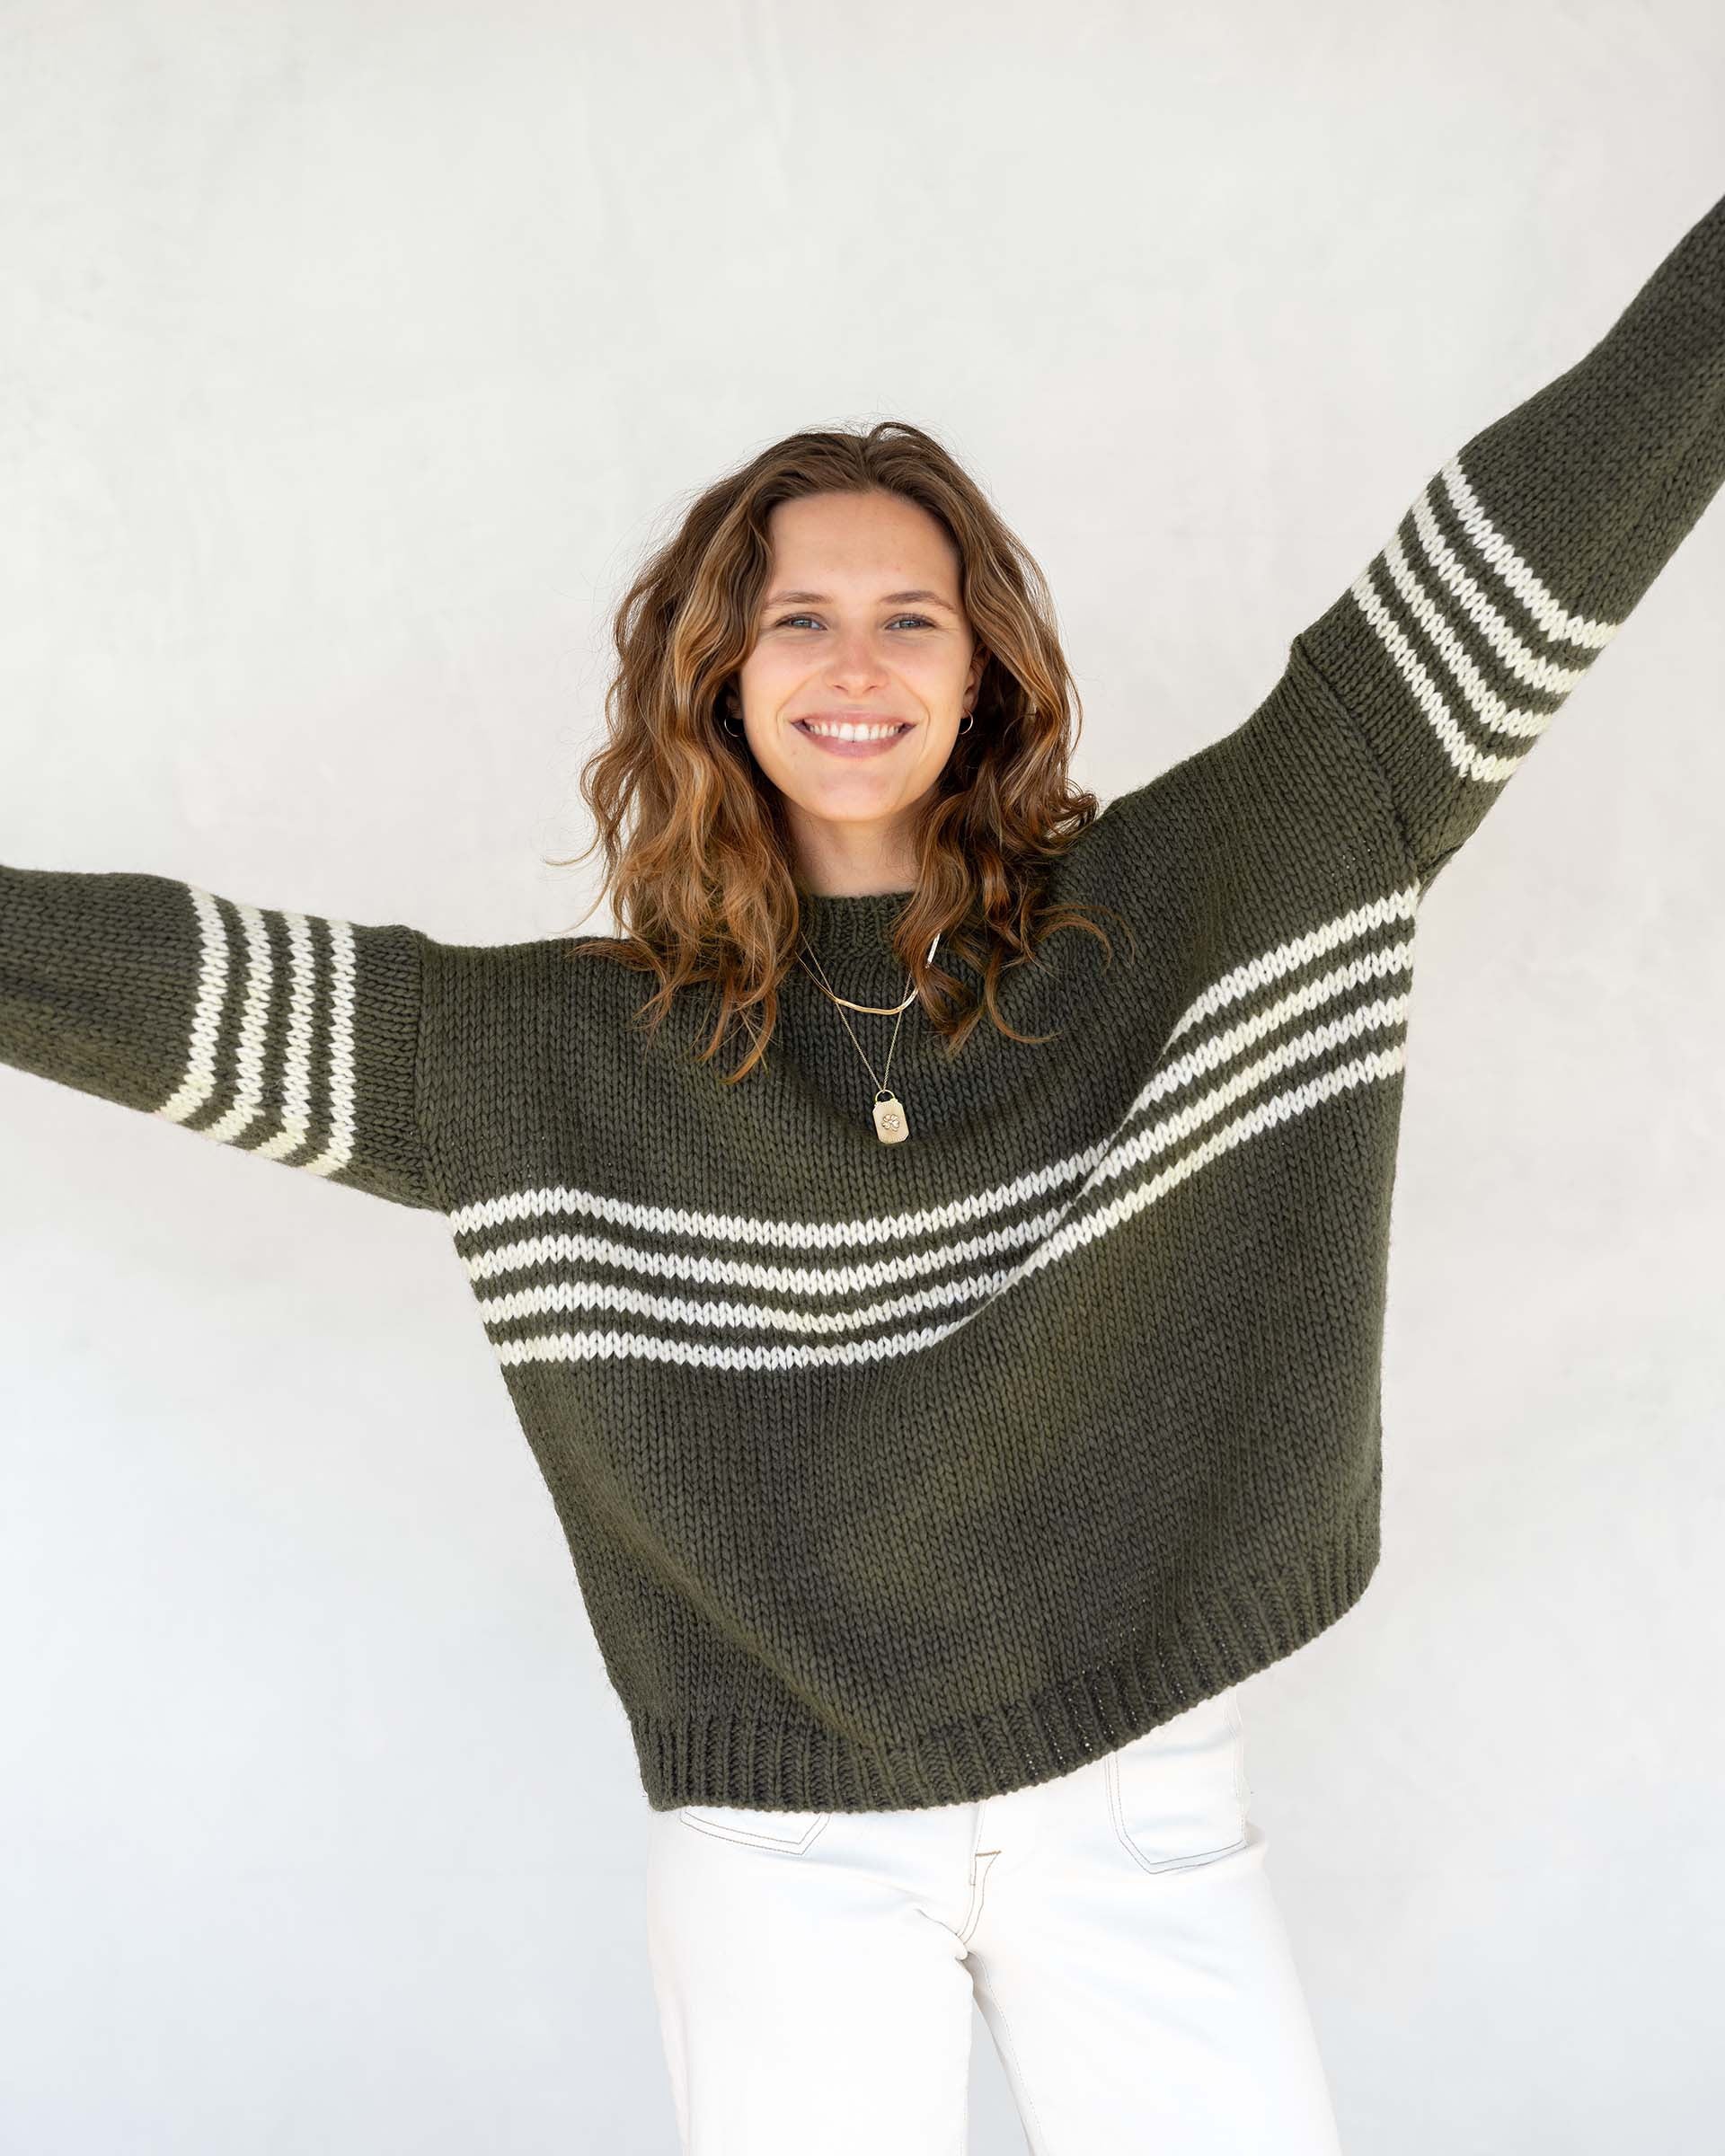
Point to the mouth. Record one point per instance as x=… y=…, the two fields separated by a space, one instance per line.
x=851 y=736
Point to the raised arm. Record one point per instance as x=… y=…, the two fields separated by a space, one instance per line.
x=283 y=1034
x=1523 y=556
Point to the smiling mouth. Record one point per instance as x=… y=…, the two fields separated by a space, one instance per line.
x=863 y=734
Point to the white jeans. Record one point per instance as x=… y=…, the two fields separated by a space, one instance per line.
x=815 y=1972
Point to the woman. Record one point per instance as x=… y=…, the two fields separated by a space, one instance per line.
x=952 y=1397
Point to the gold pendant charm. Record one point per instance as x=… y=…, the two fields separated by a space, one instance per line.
x=889 y=1124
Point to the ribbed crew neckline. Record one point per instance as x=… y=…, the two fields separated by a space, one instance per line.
x=859 y=923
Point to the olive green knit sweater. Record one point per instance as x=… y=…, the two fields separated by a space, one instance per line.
x=898 y=1475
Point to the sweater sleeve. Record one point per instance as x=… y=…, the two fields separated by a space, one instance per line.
x=1522 y=557
x=283 y=1034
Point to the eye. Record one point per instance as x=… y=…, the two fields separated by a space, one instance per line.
x=786 y=620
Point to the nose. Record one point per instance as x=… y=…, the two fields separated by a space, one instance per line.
x=853 y=660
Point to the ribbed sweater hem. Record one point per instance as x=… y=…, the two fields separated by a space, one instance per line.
x=712 y=1759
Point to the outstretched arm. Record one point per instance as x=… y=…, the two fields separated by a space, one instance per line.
x=287 y=1035
x=1524 y=555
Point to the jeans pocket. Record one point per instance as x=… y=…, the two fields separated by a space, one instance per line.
x=1178 y=1794
x=788 y=1832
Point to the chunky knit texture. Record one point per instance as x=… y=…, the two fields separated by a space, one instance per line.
x=899 y=1475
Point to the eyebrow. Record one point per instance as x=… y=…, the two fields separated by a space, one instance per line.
x=890 y=598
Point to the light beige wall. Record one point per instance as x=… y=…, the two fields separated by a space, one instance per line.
x=349 y=355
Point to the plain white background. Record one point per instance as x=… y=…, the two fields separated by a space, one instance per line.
x=349 y=357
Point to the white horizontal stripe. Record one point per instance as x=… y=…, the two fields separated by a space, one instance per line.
x=339 y=1013
x=732 y=1227
x=1218 y=1048
x=589 y=1347
x=297 y=1062
x=760 y=1317
x=1537 y=668
x=743 y=1272
x=254 y=1015
x=1121 y=1155
x=199 y=1080
x=1287 y=958
x=873 y=1231
x=1549 y=617
x=1483 y=700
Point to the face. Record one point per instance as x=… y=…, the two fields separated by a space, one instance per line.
x=862 y=669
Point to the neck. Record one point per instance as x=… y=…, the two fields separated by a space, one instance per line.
x=852 y=859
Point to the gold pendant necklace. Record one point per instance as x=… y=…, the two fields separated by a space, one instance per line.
x=892 y=1123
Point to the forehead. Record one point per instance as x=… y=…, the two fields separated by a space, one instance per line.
x=862 y=539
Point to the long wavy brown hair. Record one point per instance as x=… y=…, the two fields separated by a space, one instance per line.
x=697 y=848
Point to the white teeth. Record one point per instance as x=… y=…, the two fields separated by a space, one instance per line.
x=849 y=731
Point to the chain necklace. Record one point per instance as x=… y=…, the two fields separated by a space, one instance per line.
x=891 y=1125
